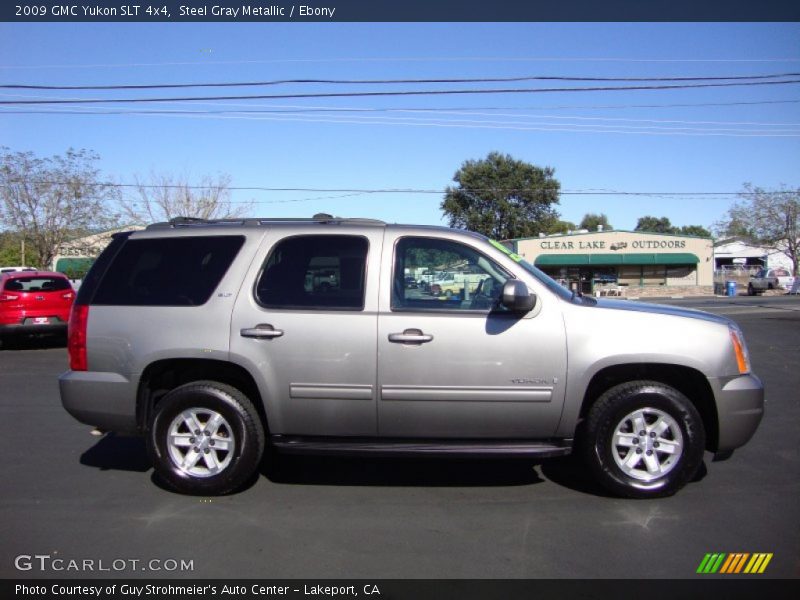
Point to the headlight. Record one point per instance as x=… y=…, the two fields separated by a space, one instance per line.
x=740 y=350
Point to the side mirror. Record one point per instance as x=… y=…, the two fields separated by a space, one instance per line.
x=516 y=297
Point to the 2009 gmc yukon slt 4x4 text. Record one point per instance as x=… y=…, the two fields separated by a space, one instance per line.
x=215 y=338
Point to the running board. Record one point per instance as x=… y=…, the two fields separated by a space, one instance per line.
x=436 y=448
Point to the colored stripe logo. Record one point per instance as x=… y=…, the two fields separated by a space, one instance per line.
x=734 y=563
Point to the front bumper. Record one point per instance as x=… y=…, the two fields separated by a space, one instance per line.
x=104 y=400
x=740 y=407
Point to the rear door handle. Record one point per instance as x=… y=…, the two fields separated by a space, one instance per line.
x=410 y=336
x=261 y=331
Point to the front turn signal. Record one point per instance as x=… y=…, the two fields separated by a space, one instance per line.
x=740 y=350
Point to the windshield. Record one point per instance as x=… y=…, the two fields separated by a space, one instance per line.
x=545 y=279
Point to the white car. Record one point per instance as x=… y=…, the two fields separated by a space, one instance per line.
x=769 y=279
x=15 y=269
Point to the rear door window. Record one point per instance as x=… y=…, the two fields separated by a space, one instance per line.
x=315 y=271
x=180 y=271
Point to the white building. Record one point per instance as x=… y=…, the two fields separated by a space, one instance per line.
x=76 y=256
x=736 y=254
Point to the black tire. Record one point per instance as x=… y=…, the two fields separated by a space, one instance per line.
x=238 y=425
x=609 y=418
x=751 y=291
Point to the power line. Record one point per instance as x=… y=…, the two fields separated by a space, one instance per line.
x=485 y=124
x=424 y=59
x=458 y=112
x=566 y=192
x=274 y=82
x=400 y=93
x=305 y=109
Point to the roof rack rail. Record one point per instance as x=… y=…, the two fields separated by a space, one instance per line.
x=323 y=218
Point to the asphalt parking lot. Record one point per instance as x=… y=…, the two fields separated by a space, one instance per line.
x=69 y=495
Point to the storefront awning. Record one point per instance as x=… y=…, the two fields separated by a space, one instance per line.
x=656 y=258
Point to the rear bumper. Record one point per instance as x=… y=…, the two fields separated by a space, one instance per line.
x=740 y=408
x=20 y=329
x=104 y=400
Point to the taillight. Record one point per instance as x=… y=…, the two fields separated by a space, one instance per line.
x=76 y=332
x=8 y=297
x=67 y=296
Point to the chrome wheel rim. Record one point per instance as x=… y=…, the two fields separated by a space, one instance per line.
x=200 y=442
x=647 y=444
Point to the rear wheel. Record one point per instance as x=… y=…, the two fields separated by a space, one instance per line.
x=644 y=439
x=205 y=438
x=751 y=291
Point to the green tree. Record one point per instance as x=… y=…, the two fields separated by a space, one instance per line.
x=590 y=221
x=655 y=225
x=11 y=250
x=734 y=226
x=561 y=227
x=767 y=218
x=502 y=197
x=47 y=200
x=695 y=230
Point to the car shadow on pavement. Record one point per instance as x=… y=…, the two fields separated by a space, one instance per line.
x=129 y=453
x=119 y=453
x=33 y=342
x=571 y=473
x=438 y=472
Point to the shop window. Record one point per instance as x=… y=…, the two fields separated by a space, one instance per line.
x=630 y=275
x=681 y=275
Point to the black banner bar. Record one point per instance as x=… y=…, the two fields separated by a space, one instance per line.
x=399 y=10
x=730 y=588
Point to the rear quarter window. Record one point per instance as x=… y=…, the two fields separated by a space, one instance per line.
x=180 y=271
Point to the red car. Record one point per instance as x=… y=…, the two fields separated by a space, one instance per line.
x=34 y=302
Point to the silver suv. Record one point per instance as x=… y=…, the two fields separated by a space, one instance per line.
x=216 y=338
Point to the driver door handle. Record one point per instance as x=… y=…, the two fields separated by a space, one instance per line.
x=261 y=331
x=410 y=336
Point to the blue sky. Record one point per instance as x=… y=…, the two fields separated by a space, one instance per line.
x=593 y=140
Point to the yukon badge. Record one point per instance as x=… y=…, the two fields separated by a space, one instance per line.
x=535 y=381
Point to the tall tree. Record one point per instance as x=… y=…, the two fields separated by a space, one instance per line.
x=502 y=197
x=767 y=218
x=561 y=227
x=11 y=249
x=694 y=230
x=163 y=197
x=655 y=225
x=48 y=200
x=590 y=221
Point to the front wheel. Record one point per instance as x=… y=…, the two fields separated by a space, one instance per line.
x=205 y=438
x=644 y=439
